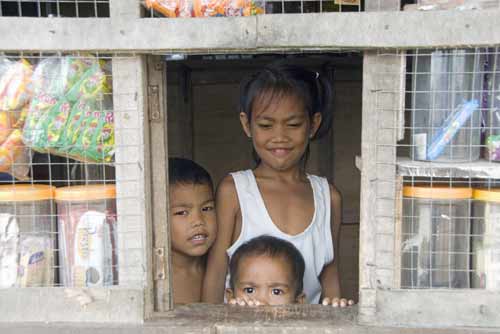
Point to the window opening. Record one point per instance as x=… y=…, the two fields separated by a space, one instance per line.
x=203 y=125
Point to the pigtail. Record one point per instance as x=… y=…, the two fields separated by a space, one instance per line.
x=323 y=104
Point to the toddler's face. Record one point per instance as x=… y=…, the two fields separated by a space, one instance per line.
x=192 y=217
x=266 y=279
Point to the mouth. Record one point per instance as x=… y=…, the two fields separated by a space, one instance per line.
x=280 y=152
x=199 y=238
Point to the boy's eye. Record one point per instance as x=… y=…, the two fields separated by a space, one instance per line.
x=277 y=292
x=294 y=125
x=181 y=213
x=208 y=208
x=249 y=290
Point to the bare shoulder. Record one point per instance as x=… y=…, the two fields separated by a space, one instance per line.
x=226 y=187
x=335 y=194
x=226 y=195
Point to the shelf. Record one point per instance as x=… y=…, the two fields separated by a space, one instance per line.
x=475 y=169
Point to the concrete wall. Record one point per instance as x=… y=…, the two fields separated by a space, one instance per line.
x=218 y=143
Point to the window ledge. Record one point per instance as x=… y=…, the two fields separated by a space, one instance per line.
x=209 y=319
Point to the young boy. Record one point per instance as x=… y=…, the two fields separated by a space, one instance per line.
x=266 y=271
x=193 y=227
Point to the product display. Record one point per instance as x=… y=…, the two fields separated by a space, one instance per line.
x=87 y=235
x=15 y=94
x=446 y=117
x=435 y=237
x=70 y=112
x=492 y=110
x=27 y=236
x=485 y=239
x=205 y=8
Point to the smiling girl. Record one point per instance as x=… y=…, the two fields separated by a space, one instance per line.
x=282 y=108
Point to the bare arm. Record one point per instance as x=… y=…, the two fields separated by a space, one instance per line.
x=330 y=280
x=227 y=209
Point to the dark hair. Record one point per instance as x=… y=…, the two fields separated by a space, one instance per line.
x=186 y=171
x=280 y=80
x=274 y=248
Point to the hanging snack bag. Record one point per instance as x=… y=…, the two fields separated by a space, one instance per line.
x=15 y=81
x=15 y=94
x=170 y=8
x=65 y=119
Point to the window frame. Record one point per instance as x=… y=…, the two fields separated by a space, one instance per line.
x=126 y=32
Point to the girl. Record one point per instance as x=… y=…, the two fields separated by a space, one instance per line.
x=282 y=108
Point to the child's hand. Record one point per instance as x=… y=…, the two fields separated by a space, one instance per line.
x=337 y=302
x=245 y=302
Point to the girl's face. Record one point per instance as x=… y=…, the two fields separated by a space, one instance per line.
x=280 y=131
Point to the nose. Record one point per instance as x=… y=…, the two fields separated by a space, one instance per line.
x=262 y=297
x=280 y=133
x=198 y=219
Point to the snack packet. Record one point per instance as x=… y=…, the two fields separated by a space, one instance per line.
x=15 y=79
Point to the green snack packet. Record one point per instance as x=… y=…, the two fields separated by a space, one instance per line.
x=92 y=84
x=53 y=125
x=95 y=137
x=39 y=106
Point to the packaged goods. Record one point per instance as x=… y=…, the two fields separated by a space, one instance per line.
x=70 y=112
x=205 y=8
x=15 y=78
x=27 y=236
x=9 y=242
x=36 y=265
x=446 y=108
x=435 y=245
x=15 y=94
x=88 y=236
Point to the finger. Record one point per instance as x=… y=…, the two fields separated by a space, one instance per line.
x=232 y=301
x=350 y=302
x=326 y=301
x=241 y=302
x=343 y=302
x=250 y=302
x=335 y=302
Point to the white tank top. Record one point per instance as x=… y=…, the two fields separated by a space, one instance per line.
x=315 y=242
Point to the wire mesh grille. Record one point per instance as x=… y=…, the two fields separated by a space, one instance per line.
x=212 y=8
x=70 y=203
x=438 y=189
x=55 y=8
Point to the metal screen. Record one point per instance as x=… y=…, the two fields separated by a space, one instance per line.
x=55 y=8
x=70 y=160
x=438 y=155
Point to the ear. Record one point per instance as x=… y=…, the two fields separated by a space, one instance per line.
x=229 y=294
x=245 y=124
x=315 y=123
x=301 y=299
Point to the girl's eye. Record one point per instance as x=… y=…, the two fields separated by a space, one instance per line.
x=207 y=208
x=181 y=213
x=294 y=125
x=249 y=290
x=264 y=126
x=277 y=292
